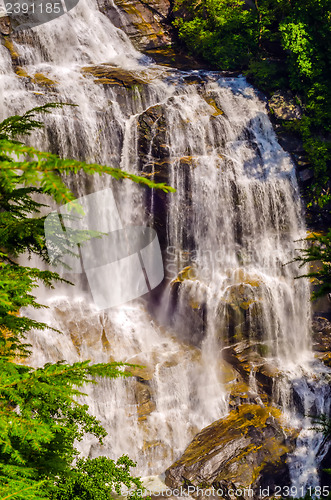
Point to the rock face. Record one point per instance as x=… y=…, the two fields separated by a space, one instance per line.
x=146 y=23
x=5 y=25
x=106 y=74
x=248 y=448
x=154 y=160
x=283 y=105
x=322 y=339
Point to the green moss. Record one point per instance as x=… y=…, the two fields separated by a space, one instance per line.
x=232 y=427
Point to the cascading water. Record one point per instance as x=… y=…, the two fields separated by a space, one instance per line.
x=228 y=234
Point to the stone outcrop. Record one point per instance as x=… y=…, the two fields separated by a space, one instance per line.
x=106 y=74
x=149 y=26
x=154 y=161
x=245 y=357
x=248 y=448
x=322 y=338
x=146 y=23
x=284 y=107
x=5 y=25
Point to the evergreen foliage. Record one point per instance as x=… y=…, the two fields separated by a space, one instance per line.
x=318 y=252
x=40 y=418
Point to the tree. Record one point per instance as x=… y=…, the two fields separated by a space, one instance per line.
x=219 y=30
x=40 y=417
x=318 y=252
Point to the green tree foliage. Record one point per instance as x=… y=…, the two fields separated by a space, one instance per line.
x=97 y=479
x=322 y=423
x=318 y=252
x=279 y=44
x=221 y=31
x=40 y=417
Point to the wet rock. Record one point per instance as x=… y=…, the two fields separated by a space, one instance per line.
x=9 y=44
x=241 y=449
x=5 y=25
x=152 y=135
x=174 y=57
x=21 y=72
x=247 y=359
x=306 y=175
x=142 y=373
x=43 y=80
x=290 y=142
x=154 y=161
x=189 y=300
x=283 y=106
x=240 y=310
x=212 y=102
x=266 y=374
x=146 y=23
x=321 y=327
x=107 y=74
x=145 y=404
x=240 y=296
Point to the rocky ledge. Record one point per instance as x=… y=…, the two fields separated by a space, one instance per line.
x=246 y=449
x=146 y=23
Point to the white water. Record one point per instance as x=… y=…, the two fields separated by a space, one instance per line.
x=237 y=229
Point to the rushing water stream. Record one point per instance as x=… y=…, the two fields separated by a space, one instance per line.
x=232 y=224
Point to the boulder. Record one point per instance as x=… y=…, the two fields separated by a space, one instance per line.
x=152 y=135
x=106 y=74
x=322 y=338
x=146 y=23
x=5 y=25
x=247 y=359
x=282 y=104
x=245 y=449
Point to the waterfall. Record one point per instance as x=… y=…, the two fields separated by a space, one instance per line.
x=228 y=235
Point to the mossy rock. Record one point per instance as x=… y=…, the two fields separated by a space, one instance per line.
x=188 y=273
x=145 y=23
x=5 y=25
x=43 y=80
x=142 y=373
x=106 y=74
x=211 y=101
x=283 y=106
x=39 y=78
x=8 y=43
x=21 y=72
x=235 y=450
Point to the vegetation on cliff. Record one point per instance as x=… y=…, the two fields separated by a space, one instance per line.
x=279 y=44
